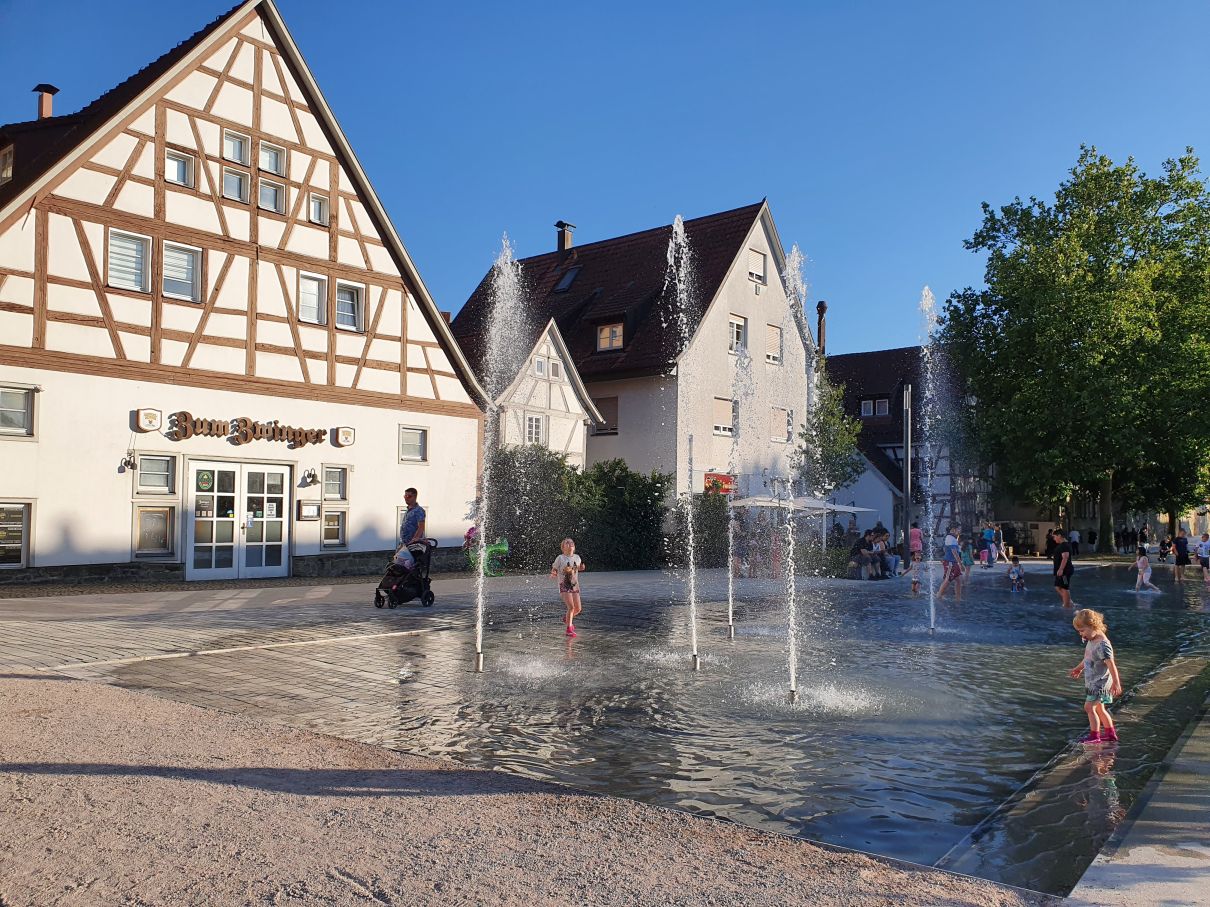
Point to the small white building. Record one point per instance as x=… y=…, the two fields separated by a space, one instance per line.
x=739 y=386
x=216 y=358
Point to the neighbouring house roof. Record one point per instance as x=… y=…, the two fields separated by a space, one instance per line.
x=40 y=145
x=573 y=376
x=618 y=280
x=881 y=373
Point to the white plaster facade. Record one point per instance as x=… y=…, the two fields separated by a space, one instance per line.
x=281 y=310
x=658 y=415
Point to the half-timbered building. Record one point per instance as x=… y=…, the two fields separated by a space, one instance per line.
x=216 y=357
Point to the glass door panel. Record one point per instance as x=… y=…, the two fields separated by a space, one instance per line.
x=239 y=525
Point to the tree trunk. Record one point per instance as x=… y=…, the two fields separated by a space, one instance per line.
x=1172 y=519
x=1105 y=532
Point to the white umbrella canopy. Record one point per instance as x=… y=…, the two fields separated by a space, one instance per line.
x=814 y=505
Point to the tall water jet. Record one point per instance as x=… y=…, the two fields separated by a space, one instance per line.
x=743 y=390
x=506 y=318
x=930 y=413
x=791 y=605
x=678 y=313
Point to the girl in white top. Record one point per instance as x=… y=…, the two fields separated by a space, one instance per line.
x=566 y=569
x=1143 y=565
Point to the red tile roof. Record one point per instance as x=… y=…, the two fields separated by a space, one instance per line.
x=619 y=280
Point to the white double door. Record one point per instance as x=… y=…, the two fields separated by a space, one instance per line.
x=239 y=524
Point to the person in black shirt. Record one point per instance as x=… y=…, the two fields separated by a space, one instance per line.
x=1181 y=546
x=1063 y=567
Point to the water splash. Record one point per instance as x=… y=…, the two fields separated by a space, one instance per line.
x=678 y=310
x=691 y=561
x=791 y=607
x=506 y=320
x=743 y=392
x=929 y=417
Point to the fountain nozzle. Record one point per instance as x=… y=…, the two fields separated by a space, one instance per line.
x=731 y=631
x=697 y=662
x=478 y=662
x=793 y=695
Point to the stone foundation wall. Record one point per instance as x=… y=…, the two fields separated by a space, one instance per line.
x=357 y=563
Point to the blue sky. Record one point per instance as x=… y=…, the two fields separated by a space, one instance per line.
x=875 y=129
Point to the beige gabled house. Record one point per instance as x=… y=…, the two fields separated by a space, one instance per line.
x=216 y=357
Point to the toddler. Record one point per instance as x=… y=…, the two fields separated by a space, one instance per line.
x=914 y=571
x=1101 y=680
x=566 y=569
x=1016 y=575
x=1143 y=565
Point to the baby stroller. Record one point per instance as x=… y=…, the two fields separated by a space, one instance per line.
x=400 y=585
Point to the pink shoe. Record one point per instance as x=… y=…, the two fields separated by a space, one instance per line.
x=1091 y=738
x=571 y=631
x=1109 y=735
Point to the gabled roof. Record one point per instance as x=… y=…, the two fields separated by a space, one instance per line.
x=618 y=280
x=573 y=376
x=46 y=147
x=39 y=144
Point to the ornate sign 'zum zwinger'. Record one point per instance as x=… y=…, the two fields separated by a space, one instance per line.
x=243 y=430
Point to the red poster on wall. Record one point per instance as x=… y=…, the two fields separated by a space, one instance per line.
x=719 y=483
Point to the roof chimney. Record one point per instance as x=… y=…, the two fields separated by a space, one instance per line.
x=821 y=331
x=45 y=93
x=565 y=234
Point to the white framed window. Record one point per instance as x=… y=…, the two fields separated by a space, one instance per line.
x=273 y=158
x=756 y=266
x=17 y=411
x=156 y=474
x=737 y=333
x=882 y=407
x=129 y=257
x=413 y=444
x=724 y=416
x=609 y=337
x=312 y=298
x=154 y=531
x=540 y=366
x=182 y=272
x=779 y=421
x=6 y=164
x=235 y=184
x=773 y=350
x=867 y=408
x=349 y=306
x=272 y=196
x=235 y=147
x=317 y=209
x=336 y=483
x=608 y=408
x=335 y=525
x=14 y=535
x=789 y=425
x=556 y=370
x=535 y=429
x=178 y=168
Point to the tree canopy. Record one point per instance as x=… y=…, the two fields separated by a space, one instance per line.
x=826 y=456
x=1089 y=348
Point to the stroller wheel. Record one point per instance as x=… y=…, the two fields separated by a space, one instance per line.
x=427 y=599
x=378 y=602
x=392 y=602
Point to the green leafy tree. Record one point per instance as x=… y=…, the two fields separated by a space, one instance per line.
x=1090 y=301
x=826 y=456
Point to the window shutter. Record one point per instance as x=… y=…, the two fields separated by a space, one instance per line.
x=756 y=264
x=724 y=414
x=608 y=407
x=180 y=271
x=127 y=261
x=772 y=343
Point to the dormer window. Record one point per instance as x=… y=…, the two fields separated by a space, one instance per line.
x=6 y=165
x=566 y=280
x=876 y=406
x=609 y=337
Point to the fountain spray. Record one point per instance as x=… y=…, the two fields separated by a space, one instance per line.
x=928 y=438
x=742 y=392
x=791 y=604
x=691 y=566
x=506 y=321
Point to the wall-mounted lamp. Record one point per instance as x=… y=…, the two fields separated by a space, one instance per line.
x=310 y=477
x=129 y=461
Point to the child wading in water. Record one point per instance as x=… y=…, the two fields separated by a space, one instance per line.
x=1101 y=680
x=566 y=569
x=1143 y=565
x=914 y=572
x=1016 y=575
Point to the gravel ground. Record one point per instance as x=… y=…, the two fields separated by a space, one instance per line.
x=110 y=797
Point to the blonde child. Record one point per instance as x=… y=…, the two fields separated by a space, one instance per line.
x=566 y=569
x=968 y=559
x=1101 y=680
x=1143 y=565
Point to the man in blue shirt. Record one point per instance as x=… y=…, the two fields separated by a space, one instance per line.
x=412 y=527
